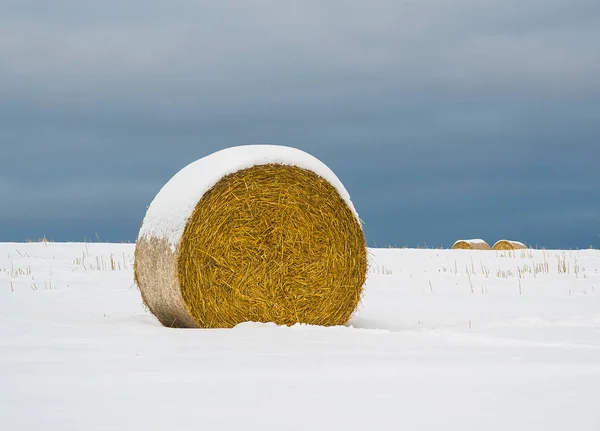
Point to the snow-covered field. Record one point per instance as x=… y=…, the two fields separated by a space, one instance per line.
x=445 y=340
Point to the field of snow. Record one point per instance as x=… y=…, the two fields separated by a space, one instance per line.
x=444 y=340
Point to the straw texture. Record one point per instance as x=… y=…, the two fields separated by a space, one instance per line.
x=270 y=243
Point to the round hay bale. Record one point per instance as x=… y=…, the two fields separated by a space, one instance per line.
x=471 y=244
x=257 y=233
x=505 y=244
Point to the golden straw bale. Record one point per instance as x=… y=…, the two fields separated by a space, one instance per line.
x=505 y=244
x=268 y=243
x=471 y=244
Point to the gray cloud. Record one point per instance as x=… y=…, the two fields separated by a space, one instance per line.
x=230 y=52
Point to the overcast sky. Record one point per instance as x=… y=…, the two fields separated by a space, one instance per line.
x=445 y=119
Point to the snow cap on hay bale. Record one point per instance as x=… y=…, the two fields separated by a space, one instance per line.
x=253 y=233
x=471 y=244
x=505 y=244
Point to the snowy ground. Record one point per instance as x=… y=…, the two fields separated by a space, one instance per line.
x=444 y=340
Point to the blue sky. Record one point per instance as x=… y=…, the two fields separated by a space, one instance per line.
x=444 y=119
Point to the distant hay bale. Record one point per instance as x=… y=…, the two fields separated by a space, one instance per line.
x=471 y=244
x=254 y=233
x=505 y=244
